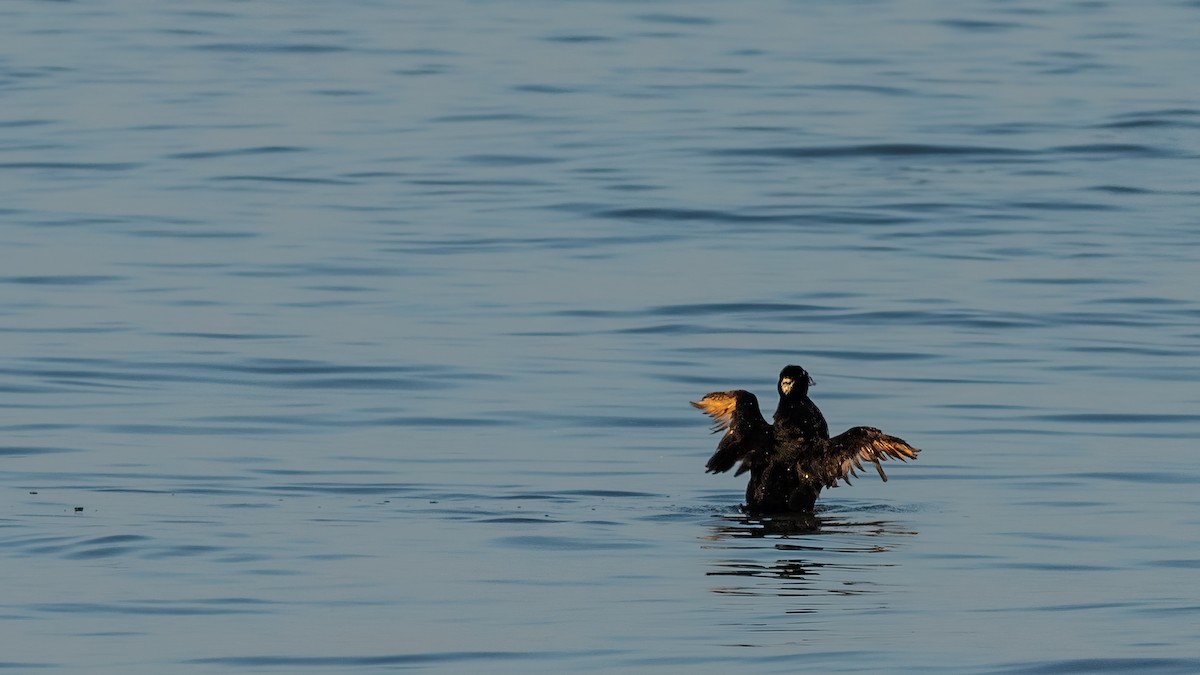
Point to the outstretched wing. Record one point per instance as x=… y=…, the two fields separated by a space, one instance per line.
x=746 y=432
x=719 y=405
x=848 y=452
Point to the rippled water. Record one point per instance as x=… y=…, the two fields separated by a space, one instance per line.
x=360 y=336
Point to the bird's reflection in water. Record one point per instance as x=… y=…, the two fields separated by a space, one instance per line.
x=829 y=554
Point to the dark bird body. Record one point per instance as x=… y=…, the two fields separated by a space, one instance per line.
x=792 y=460
x=797 y=419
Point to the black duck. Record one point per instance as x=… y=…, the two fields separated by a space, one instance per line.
x=792 y=460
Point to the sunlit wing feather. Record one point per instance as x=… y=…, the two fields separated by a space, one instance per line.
x=859 y=445
x=718 y=405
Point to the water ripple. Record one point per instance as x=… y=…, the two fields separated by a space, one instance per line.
x=1157 y=666
x=875 y=150
x=25 y=451
x=553 y=543
x=74 y=372
x=270 y=48
x=157 y=607
x=72 y=166
x=61 y=279
x=238 y=152
x=412 y=659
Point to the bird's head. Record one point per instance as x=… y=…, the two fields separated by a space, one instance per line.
x=794 y=381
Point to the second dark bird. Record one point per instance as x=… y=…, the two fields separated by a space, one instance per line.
x=792 y=460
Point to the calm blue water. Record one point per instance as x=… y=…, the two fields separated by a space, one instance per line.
x=359 y=336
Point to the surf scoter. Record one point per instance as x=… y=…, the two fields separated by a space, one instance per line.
x=792 y=460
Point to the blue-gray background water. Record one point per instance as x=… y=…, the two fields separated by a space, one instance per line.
x=360 y=335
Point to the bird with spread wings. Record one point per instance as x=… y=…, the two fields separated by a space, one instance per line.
x=788 y=472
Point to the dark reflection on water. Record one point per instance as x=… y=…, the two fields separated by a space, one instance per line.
x=751 y=527
x=842 y=521
x=828 y=555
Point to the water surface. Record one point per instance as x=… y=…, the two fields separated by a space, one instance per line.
x=361 y=338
